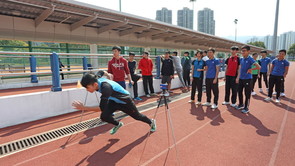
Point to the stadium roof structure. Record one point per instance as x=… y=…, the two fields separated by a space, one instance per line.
x=76 y=22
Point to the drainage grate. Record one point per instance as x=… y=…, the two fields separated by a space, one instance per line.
x=32 y=141
x=25 y=143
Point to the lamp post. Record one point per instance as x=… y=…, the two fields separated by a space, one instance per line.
x=193 y=2
x=236 y=22
x=275 y=33
x=120 y=5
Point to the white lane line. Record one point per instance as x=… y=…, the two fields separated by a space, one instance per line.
x=183 y=139
x=74 y=143
x=280 y=136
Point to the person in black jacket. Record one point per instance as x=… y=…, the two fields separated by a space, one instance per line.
x=186 y=63
x=60 y=69
x=167 y=70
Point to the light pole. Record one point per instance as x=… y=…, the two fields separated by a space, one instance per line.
x=193 y=3
x=275 y=33
x=120 y=5
x=236 y=22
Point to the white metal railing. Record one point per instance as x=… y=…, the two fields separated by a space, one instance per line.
x=7 y=54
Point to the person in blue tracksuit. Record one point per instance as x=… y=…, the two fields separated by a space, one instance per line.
x=113 y=98
x=278 y=72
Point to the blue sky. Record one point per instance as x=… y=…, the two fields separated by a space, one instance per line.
x=256 y=17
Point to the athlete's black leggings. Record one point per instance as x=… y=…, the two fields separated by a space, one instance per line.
x=197 y=85
x=255 y=76
x=212 y=87
x=264 y=79
x=275 y=81
x=230 y=84
x=129 y=108
x=247 y=85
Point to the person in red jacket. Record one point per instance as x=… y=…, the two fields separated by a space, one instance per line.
x=118 y=67
x=146 y=67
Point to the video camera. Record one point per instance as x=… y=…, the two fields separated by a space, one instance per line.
x=164 y=86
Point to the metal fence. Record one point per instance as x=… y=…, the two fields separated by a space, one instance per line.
x=35 y=70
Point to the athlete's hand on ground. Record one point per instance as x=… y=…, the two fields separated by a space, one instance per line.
x=78 y=105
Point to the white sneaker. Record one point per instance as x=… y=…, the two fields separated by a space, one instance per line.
x=260 y=90
x=278 y=101
x=268 y=99
x=214 y=106
x=166 y=93
x=206 y=104
x=274 y=93
x=225 y=103
x=253 y=93
x=191 y=101
x=198 y=103
x=283 y=95
x=148 y=96
x=234 y=105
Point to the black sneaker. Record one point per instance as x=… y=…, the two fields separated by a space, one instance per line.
x=246 y=110
x=239 y=107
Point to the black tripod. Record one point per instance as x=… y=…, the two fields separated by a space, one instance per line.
x=164 y=96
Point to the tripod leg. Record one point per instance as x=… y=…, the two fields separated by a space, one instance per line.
x=173 y=135
x=154 y=117
x=82 y=113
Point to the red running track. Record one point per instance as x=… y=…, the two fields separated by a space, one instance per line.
x=223 y=136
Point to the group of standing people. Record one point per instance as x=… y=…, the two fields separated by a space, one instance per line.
x=118 y=67
x=240 y=77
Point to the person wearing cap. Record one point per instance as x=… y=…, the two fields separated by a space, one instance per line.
x=134 y=77
x=178 y=67
x=146 y=66
x=118 y=67
x=264 y=71
x=231 y=71
x=212 y=70
x=278 y=72
x=113 y=97
x=198 y=68
x=244 y=78
x=186 y=63
x=254 y=73
x=167 y=70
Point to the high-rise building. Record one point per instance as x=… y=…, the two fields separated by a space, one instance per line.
x=185 y=18
x=286 y=40
x=164 y=15
x=206 y=22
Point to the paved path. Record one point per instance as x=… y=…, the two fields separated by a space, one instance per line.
x=223 y=136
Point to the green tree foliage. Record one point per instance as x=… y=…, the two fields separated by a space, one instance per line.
x=258 y=44
x=13 y=45
x=291 y=52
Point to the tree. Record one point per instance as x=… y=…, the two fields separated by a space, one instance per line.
x=291 y=52
x=258 y=44
x=8 y=45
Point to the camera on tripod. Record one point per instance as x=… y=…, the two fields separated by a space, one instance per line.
x=164 y=88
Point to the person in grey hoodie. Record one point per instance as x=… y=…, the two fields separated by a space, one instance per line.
x=179 y=70
x=186 y=63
